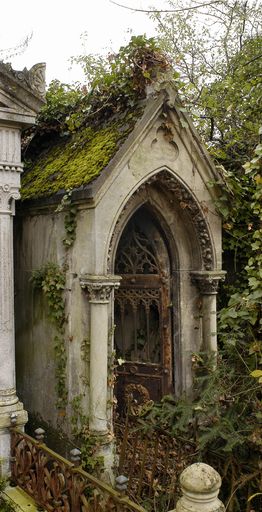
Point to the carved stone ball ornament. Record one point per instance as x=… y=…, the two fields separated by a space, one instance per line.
x=186 y=201
x=99 y=288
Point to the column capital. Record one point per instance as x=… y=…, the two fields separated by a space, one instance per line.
x=8 y=195
x=207 y=281
x=99 y=288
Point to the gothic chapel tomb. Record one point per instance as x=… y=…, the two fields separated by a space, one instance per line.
x=123 y=214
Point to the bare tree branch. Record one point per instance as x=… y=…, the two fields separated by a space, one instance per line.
x=151 y=11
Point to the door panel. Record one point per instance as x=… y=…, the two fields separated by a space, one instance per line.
x=142 y=314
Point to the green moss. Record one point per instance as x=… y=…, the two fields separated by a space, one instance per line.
x=76 y=162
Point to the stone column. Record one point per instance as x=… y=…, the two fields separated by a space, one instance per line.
x=99 y=290
x=21 y=97
x=207 y=283
x=11 y=410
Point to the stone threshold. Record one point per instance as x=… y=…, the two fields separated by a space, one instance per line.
x=19 y=499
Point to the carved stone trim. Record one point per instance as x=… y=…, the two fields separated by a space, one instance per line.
x=8 y=194
x=33 y=78
x=207 y=282
x=99 y=288
x=187 y=202
x=12 y=167
x=8 y=397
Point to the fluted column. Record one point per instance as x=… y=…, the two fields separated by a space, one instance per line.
x=99 y=290
x=11 y=410
x=207 y=283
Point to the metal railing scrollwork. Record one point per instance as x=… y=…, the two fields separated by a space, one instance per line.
x=58 y=485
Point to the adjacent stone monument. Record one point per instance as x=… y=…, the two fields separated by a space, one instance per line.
x=21 y=96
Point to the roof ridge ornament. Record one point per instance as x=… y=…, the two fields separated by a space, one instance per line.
x=33 y=78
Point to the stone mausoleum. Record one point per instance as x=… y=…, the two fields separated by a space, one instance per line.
x=125 y=211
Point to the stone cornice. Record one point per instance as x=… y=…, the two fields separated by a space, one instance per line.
x=207 y=282
x=99 y=288
x=21 y=93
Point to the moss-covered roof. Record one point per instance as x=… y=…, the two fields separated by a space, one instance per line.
x=80 y=130
x=79 y=159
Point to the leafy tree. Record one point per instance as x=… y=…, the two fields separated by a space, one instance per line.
x=218 y=57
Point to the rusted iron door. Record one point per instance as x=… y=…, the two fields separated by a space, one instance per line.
x=143 y=314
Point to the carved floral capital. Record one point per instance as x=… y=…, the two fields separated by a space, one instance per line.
x=99 y=288
x=207 y=282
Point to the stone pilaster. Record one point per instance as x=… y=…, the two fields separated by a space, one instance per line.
x=99 y=290
x=11 y=410
x=21 y=97
x=207 y=283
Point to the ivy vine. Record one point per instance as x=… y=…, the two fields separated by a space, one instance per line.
x=70 y=222
x=50 y=278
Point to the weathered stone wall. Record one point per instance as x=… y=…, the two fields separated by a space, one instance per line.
x=38 y=240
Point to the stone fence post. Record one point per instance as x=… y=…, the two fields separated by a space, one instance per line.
x=200 y=485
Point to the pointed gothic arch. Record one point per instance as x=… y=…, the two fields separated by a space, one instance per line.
x=178 y=217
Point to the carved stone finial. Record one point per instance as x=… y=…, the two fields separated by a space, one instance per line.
x=75 y=456
x=36 y=79
x=121 y=483
x=39 y=434
x=33 y=78
x=207 y=282
x=99 y=288
x=200 y=484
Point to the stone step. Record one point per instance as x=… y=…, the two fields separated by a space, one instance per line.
x=20 y=499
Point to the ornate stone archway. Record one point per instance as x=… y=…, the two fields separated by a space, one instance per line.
x=186 y=201
x=186 y=227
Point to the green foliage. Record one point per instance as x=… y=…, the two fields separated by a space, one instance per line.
x=61 y=102
x=79 y=130
x=240 y=320
x=51 y=280
x=218 y=56
x=119 y=81
x=5 y=505
x=87 y=442
x=70 y=222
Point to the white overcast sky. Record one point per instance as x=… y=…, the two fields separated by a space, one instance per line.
x=57 y=26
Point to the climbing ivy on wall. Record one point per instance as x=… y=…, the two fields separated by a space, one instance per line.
x=50 y=278
x=70 y=221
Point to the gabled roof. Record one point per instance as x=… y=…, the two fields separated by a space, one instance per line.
x=21 y=93
x=82 y=161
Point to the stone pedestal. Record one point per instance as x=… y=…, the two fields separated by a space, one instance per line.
x=207 y=282
x=99 y=289
x=200 y=485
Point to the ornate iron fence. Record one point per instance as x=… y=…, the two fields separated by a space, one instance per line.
x=152 y=460
x=57 y=485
